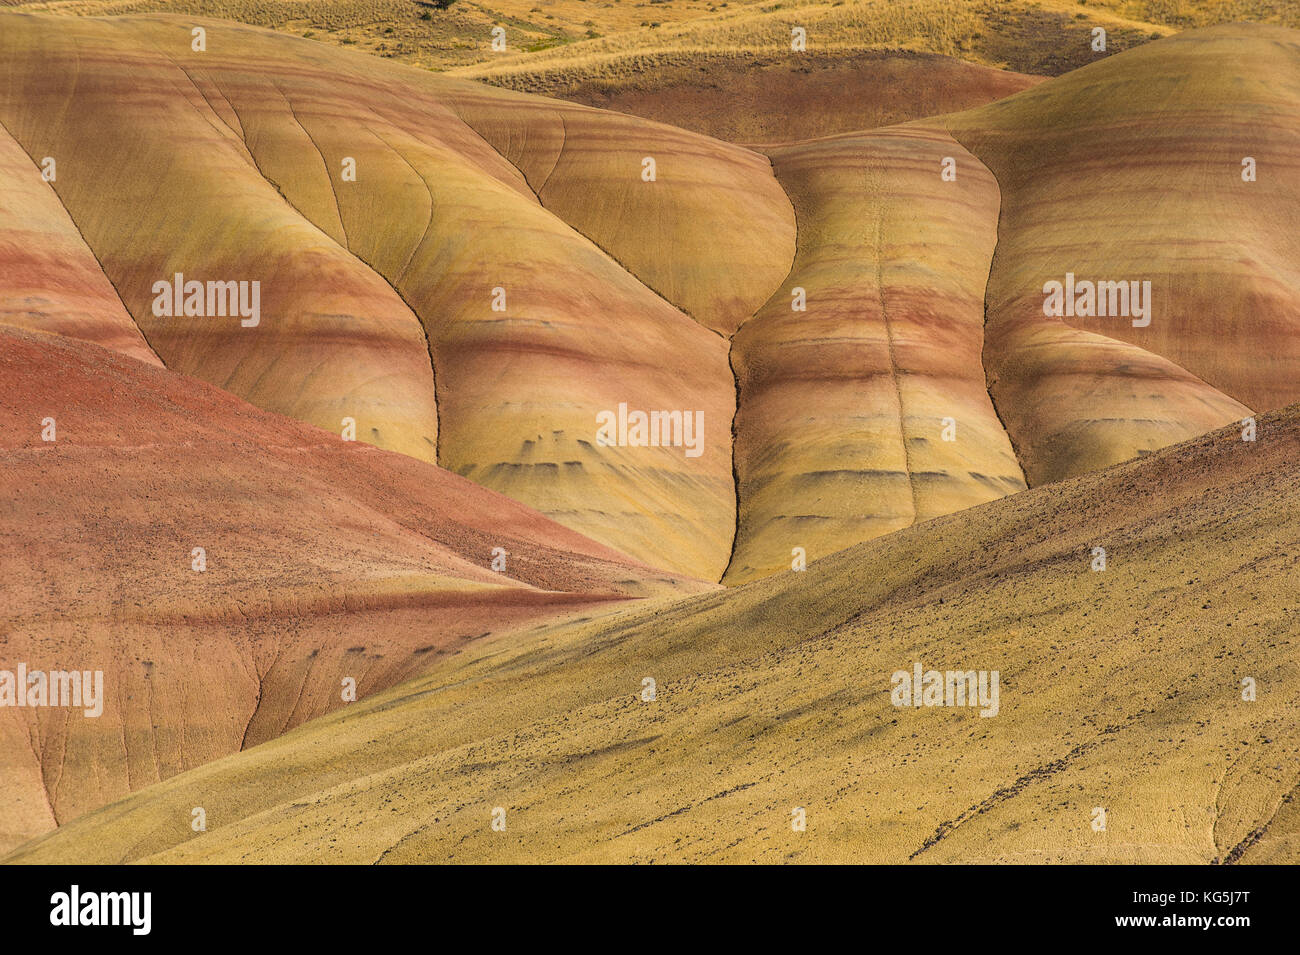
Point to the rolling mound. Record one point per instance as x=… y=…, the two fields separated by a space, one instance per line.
x=435 y=300
x=503 y=274
x=321 y=559
x=712 y=234
x=159 y=183
x=1120 y=690
x=866 y=410
x=1130 y=170
x=505 y=271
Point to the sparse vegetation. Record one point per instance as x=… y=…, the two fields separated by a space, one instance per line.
x=566 y=42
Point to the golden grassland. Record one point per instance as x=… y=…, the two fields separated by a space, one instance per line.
x=571 y=45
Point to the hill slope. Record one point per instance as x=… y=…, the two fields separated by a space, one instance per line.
x=556 y=39
x=505 y=272
x=52 y=281
x=435 y=299
x=766 y=97
x=865 y=410
x=1120 y=690
x=320 y=559
x=1131 y=170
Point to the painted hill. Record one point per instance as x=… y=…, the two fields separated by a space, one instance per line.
x=379 y=294
x=379 y=297
x=506 y=271
x=1120 y=690
x=842 y=408
x=1132 y=170
x=503 y=272
x=321 y=559
x=866 y=410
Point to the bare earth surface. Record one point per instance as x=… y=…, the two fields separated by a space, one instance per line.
x=1120 y=690
x=323 y=560
x=861 y=337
